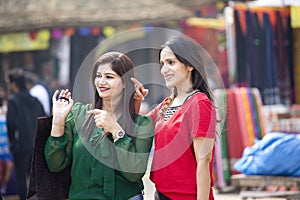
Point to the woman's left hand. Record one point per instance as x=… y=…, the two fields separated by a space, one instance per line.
x=105 y=120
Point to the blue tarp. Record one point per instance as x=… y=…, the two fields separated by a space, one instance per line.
x=276 y=154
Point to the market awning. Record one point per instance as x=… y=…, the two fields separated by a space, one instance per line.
x=21 y=15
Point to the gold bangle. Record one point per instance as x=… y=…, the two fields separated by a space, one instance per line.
x=59 y=125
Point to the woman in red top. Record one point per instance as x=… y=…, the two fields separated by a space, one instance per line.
x=185 y=125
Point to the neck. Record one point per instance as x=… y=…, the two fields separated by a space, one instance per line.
x=182 y=97
x=183 y=90
x=110 y=105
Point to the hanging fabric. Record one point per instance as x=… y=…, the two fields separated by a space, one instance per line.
x=262 y=48
x=241 y=74
x=243 y=126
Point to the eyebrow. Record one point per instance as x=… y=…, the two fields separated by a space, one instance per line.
x=170 y=58
x=106 y=73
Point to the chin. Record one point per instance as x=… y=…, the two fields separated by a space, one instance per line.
x=103 y=96
x=169 y=85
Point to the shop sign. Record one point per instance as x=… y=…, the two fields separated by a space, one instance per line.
x=24 y=41
x=295 y=16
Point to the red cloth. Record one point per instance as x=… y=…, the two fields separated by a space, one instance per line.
x=236 y=127
x=174 y=164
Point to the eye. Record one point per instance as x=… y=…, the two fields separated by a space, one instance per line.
x=98 y=75
x=171 y=62
x=109 y=77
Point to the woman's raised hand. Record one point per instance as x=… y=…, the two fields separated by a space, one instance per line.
x=140 y=93
x=62 y=104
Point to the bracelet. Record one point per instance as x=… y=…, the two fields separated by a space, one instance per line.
x=59 y=125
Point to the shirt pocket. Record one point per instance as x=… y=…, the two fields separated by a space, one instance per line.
x=97 y=172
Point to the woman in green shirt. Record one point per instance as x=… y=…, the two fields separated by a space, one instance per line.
x=106 y=142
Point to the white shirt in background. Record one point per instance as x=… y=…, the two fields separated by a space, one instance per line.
x=41 y=93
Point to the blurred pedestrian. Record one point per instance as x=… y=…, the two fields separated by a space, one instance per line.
x=3 y=99
x=6 y=161
x=22 y=112
x=38 y=90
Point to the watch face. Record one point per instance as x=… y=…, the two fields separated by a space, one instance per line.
x=120 y=134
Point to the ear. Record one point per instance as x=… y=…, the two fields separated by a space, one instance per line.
x=189 y=68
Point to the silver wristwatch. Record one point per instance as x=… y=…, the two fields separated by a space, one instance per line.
x=119 y=134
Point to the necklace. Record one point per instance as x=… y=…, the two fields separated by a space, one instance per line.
x=179 y=100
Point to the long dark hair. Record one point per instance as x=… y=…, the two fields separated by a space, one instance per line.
x=190 y=53
x=123 y=66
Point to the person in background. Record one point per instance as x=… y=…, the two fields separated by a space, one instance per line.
x=22 y=113
x=106 y=142
x=38 y=90
x=3 y=99
x=6 y=160
x=185 y=125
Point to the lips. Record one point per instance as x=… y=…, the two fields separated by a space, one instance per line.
x=168 y=76
x=103 y=89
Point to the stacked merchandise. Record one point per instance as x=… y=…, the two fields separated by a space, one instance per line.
x=242 y=126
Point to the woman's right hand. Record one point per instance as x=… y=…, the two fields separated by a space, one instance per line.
x=62 y=105
x=140 y=93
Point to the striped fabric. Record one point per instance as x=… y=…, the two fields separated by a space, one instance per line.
x=243 y=125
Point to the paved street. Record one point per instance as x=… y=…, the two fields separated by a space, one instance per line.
x=149 y=191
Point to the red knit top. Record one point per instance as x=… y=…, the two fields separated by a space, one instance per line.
x=174 y=164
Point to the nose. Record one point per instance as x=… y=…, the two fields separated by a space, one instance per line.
x=102 y=80
x=164 y=68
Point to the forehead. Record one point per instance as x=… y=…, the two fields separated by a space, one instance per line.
x=105 y=68
x=166 y=53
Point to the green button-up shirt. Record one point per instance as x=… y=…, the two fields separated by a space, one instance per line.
x=101 y=169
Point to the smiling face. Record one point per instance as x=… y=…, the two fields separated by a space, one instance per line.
x=108 y=83
x=176 y=74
